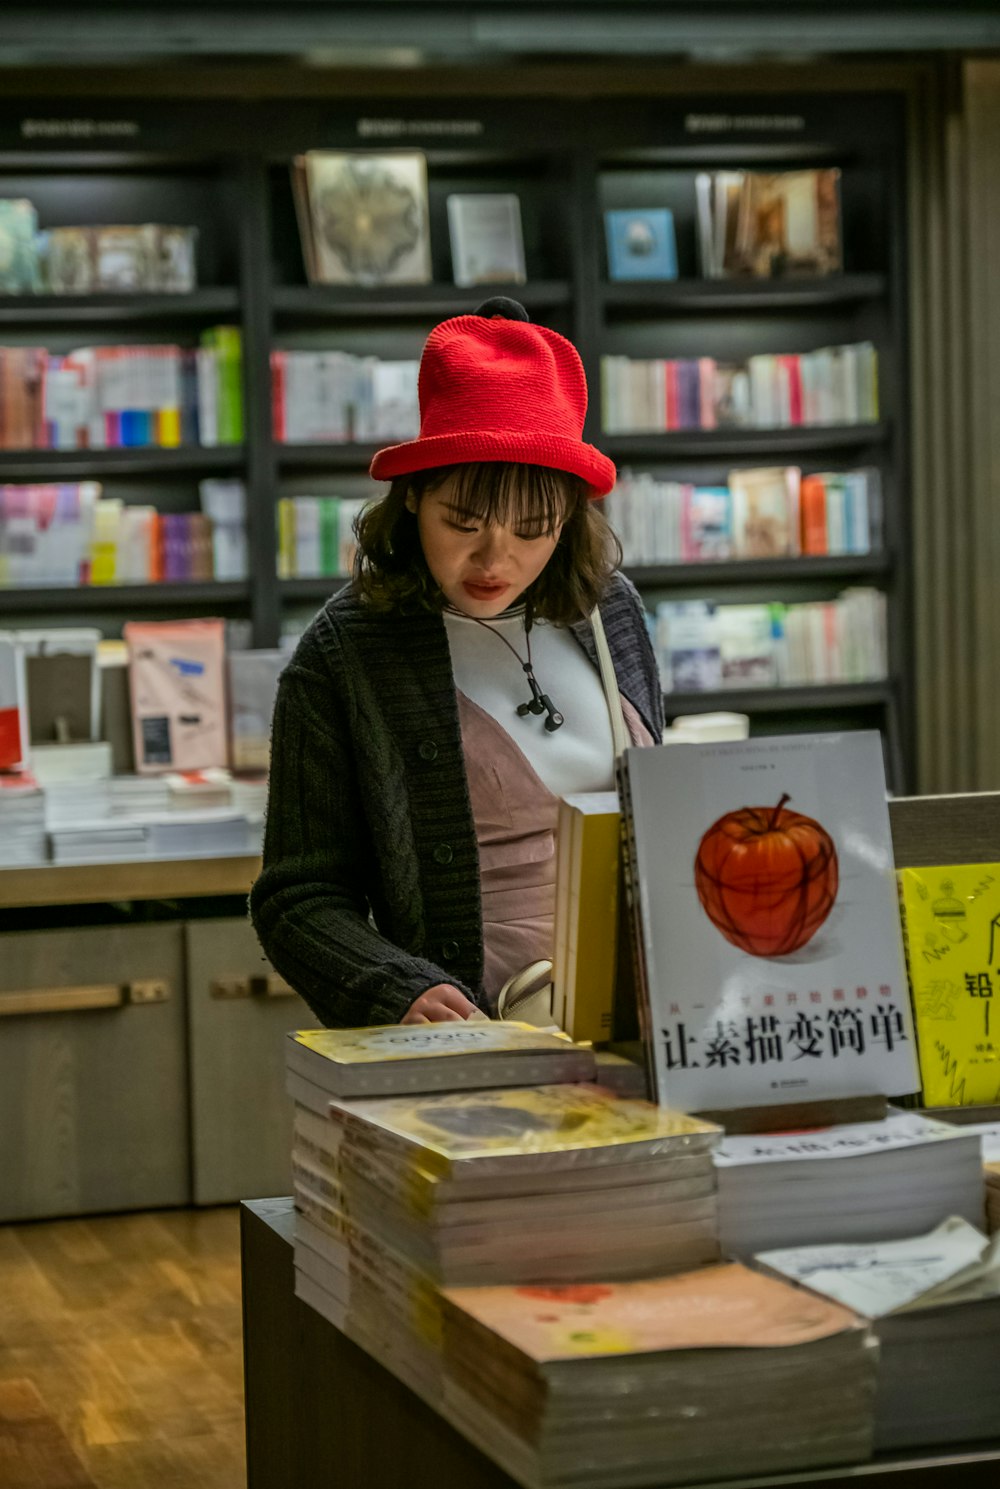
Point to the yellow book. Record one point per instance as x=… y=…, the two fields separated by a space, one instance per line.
x=951 y=931
x=587 y=913
x=464 y=1054
x=286 y=537
x=522 y=1129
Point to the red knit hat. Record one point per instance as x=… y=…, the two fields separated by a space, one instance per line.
x=494 y=387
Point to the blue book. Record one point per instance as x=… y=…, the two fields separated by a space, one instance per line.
x=641 y=244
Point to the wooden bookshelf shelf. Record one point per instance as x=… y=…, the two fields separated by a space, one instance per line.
x=761 y=570
x=682 y=296
x=753 y=443
x=419 y=301
x=82 y=465
x=109 y=309
x=812 y=699
x=43 y=599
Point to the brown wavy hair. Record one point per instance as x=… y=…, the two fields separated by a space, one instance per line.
x=391 y=573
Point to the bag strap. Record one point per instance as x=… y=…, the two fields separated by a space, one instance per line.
x=619 y=733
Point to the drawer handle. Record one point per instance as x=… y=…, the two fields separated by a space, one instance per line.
x=80 y=999
x=270 y=986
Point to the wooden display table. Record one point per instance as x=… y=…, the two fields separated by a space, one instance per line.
x=139 y=879
x=323 y=1414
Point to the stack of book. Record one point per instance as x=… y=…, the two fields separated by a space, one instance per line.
x=935 y=1305
x=334 y=397
x=22 y=820
x=703 y=647
x=122 y=397
x=672 y=1380
x=767 y=513
x=316 y=536
x=856 y=1181
x=552 y=1183
x=833 y=385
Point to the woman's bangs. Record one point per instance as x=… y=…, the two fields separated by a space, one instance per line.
x=527 y=498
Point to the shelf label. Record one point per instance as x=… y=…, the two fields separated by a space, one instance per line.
x=79 y=129
x=728 y=123
x=384 y=129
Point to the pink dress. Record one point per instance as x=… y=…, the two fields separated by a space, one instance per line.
x=515 y=815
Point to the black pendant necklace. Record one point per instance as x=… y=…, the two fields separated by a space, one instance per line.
x=539 y=702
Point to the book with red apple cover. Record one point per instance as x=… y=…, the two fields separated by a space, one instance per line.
x=667 y=1380
x=767 y=926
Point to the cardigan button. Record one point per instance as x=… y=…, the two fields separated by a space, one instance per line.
x=449 y=951
x=427 y=749
x=443 y=853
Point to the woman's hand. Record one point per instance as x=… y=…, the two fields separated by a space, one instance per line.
x=438 y=1005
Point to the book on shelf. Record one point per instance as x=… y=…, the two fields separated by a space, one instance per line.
x=335 y=397
x=951 y=933
x=14 y=745
x=122 y=258
x=252 y=678
x=177 y=683
x=934 y=1301
x=399 y=1059
x=717 y=1372
x=487 y=242
x=761 y=513
x=832 y=385
x=641 y=244
x=63 y=683
x=767 y=224
x=363 y=216
x=122 y=397
x=703 y=646
x=316 y=536
x=19 y=273
x=763 y=892
x=855 y=1182
x=765 y=503
x=586 y=917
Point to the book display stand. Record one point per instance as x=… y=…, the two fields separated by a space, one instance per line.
x=227 y=172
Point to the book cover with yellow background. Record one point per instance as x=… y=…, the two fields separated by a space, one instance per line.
x=951 y=930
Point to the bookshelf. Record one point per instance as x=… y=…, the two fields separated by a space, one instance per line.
x=226 y=171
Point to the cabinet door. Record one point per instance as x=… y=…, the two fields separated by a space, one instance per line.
x=93 y=1071
x=239 y=1012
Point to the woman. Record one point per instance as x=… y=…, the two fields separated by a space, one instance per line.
x=438 y=707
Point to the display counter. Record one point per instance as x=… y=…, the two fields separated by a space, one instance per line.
x=323 y=1414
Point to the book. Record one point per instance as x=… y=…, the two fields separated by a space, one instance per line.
x=849 y=1182
x=935 y=1304
x=765 y=504
x=14 y=746
x=584 y=966
x=641 y=244
x=367 y=217
x=707 y=516
x=788 y=223
x=435 y=1057
x=177 y=685
x=669 y=1380
x=19 y=272
x=252 y=678
x=487 y=244
x=951 y=934
x=762 y=876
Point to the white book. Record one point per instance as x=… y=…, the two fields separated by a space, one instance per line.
x=487 y=244
x=768 y=923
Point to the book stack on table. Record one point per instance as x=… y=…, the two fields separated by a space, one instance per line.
x=550 y=1184
x=935 y=1305
x=672 y=1380
x=857 y=1181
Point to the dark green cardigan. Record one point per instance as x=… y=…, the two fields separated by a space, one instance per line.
x=369 y=892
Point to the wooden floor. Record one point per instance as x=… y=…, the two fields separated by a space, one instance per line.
x=121 y=1360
